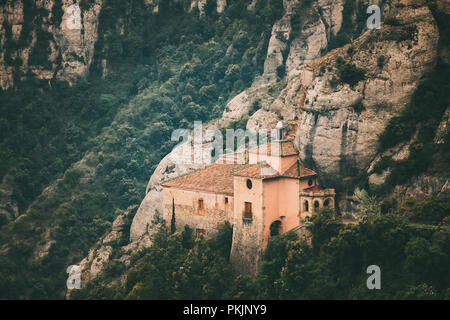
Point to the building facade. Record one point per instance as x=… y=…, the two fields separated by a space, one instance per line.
x=271 y=194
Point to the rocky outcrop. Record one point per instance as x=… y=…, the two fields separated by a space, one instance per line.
x=76 y=44
x=8 y=207
x=151 y=206
x=443 y=129
x=339 y=125
x=278 y=44
x=423 y=186
x=300 y=36
x=69 y=45
x=100 y=254
x=333 y=136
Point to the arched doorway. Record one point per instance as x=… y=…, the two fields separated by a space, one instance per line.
x=275 y=228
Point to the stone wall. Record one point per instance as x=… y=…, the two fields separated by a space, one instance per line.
x=216 y=209
x=248 y=235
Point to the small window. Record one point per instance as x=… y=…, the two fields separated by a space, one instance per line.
x=326 y=203
x=306 y=206
x=247 y=214
x=226 y=200
x=200 y=204
x=316 y=204
x=249 y=183
x=310 y=182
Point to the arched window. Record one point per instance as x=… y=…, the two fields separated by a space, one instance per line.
x=310 y=182
x=327 y=203
x=306 y=206
x=316 y=204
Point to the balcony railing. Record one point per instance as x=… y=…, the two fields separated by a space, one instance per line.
x=247 y=216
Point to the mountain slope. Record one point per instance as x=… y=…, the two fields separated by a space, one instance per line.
x=75 y=160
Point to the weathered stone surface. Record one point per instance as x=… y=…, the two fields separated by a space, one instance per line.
x=100 y=254
x=152 y=205
x=77 y=45
x=238 y=106
x=8 y=207
x=306 y=47
x=333 y=138
x=72 y=42
x=379 y=178
x=332 y=13
x=443 y=129
x=423 y=186
x=262 y=119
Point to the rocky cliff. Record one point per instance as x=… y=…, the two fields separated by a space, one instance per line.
x=333 y=82
x=336 y=124
x=51 y=39
x=54 y=39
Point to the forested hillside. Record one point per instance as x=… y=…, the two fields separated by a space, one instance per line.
x=77 y=152
x=93 y=146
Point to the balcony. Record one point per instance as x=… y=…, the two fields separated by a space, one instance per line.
x=247 y=216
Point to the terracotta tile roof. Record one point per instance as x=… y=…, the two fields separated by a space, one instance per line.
x=216 y=178
x=257 y=171
x=263 y=170
x=313 y=189
x=287 y=149
x=297 y=170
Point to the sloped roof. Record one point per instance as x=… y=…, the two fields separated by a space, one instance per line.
x=298 y=170
x=314 y=189
x=216 y=178
x=258 y=170
x=262 y=170
x=287 y=149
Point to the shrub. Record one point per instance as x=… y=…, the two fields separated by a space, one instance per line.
x=349 y=73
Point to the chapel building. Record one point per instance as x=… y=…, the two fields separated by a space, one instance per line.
x=272 y=193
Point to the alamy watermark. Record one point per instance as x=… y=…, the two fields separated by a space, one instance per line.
x=74 y=279
x=374 y=21
x=200 y=146
x=74 y=20
x=374 y=281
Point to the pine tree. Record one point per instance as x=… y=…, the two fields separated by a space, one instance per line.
x=172 y=222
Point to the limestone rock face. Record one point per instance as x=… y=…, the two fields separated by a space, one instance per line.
x=262 y=119
x=100 y=254
x=332 y=14
x=293 y=44
x=278 y=44
x=334 y=137
x=221 y=4
x=170 y=167
x=307 y=47
x=444 y=128
x=11 y=13
x=9 y=209
x=423 y=186
x=238 y=106
x=76 y=42
x=71 y=46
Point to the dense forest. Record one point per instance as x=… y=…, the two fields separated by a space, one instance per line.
x=78 y=156
x=161 y=78
x=410 y=242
